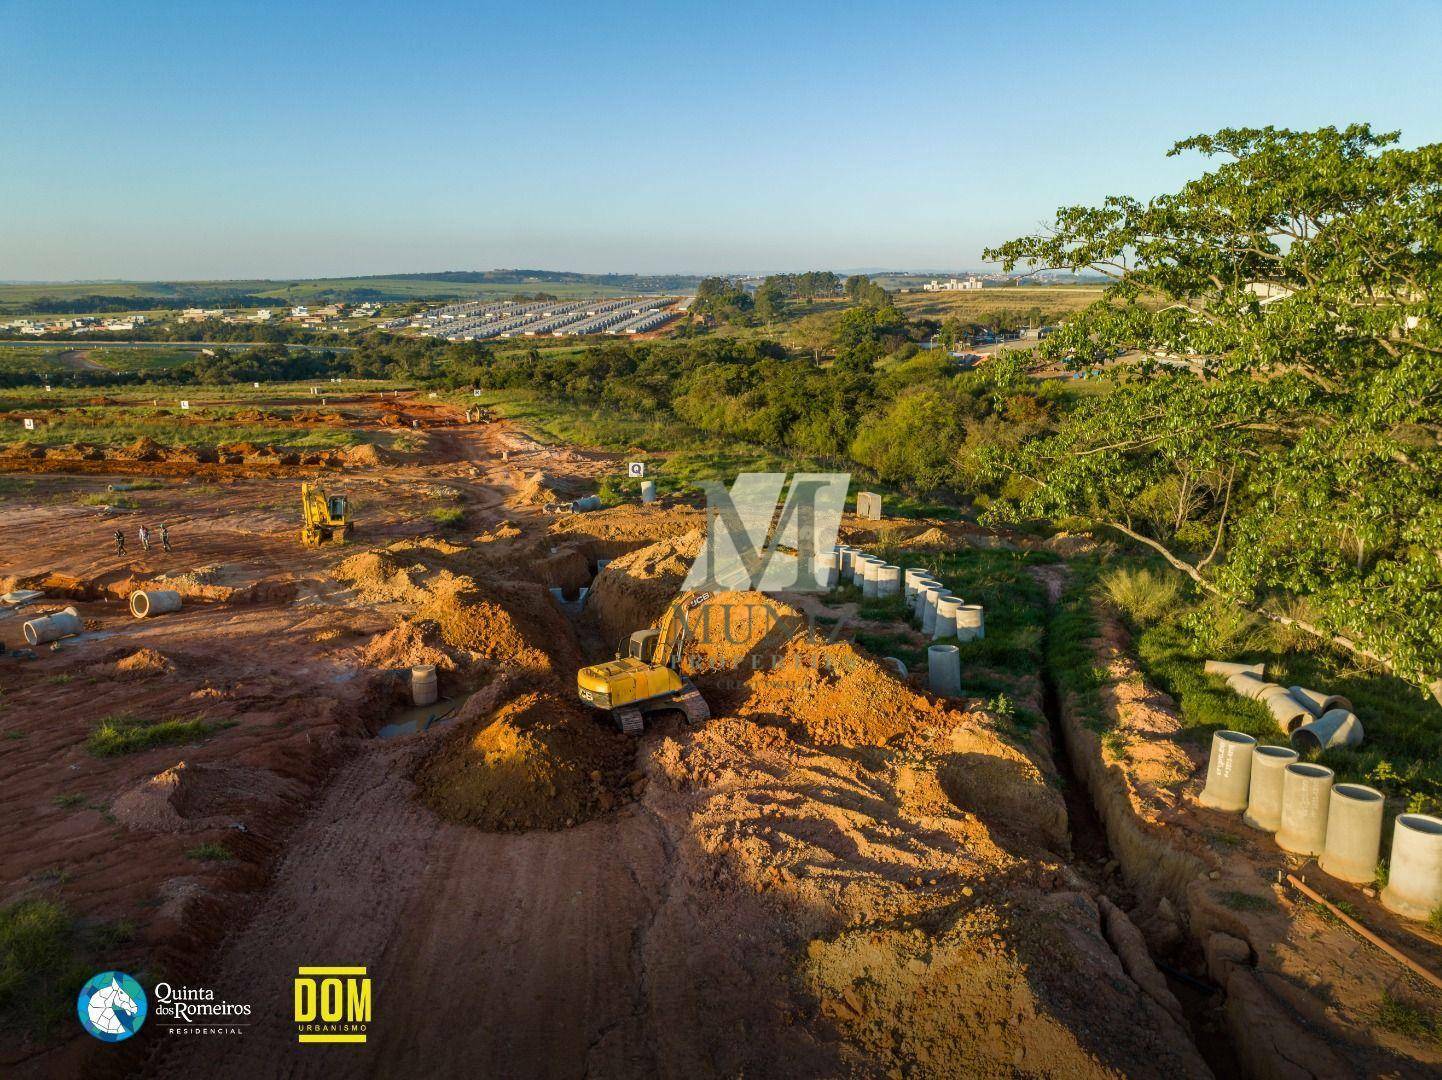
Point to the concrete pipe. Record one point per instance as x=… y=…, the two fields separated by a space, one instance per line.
x=888 y=580
x=1289 y=713
x=909 y=579
x=918 y=605
x=828 y=573
x=1329 y=731
x=423 y=684
x=648 y=491
x=1247 y=685
x=858 y=567
x=48 y=628
x=1306 y=796
x=944 y=623
x=1354 y=833
x=147 y=602
x=1222 y=667
x=1414 y=879
x=588 y=502
x=930 y=597
x=1264 y=797
x=601 y=564
x=970 y=622
x=871 y=578
x=943 y=670
x=897 y=666
x=1229 y=771
x=845 y=551
x=1318 y=703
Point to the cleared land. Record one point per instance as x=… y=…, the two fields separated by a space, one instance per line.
x=838 y=874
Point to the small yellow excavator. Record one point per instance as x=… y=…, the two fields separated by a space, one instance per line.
x=646 y=674
x=323 y=518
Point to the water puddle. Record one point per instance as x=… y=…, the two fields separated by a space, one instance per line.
x=418 y=718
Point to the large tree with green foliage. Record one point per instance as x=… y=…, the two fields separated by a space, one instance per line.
x=1278 y=437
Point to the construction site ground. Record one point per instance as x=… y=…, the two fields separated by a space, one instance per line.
x=838 y=874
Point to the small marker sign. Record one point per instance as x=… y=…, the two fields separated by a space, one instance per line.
x=185 y=404
x=29 y=424
x=636 y=468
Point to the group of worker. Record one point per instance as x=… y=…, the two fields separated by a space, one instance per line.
x=144 y=534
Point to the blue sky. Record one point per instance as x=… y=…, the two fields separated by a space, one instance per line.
x=205 y=140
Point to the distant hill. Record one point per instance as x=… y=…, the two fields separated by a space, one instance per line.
x=81 y=297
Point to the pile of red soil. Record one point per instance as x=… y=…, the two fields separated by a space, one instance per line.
x=540 y=761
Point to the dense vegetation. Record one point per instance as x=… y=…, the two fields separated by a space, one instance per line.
x=1291 y=461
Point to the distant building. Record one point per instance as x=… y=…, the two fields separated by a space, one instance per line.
x=953 y=285
x=201 y=314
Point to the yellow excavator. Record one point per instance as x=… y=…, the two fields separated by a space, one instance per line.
x=323 y=518
x=646 y=674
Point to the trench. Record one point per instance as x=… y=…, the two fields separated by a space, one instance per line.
x=1202 y=1002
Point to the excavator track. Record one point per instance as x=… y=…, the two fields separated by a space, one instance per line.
x=693 y=704
x=628 y=718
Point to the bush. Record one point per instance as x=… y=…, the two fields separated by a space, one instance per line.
x=448 y=516
x=1141 y=594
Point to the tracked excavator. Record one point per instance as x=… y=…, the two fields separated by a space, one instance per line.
x=646 y=674
x=322 y=518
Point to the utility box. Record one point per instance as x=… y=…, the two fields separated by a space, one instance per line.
x=868 y=505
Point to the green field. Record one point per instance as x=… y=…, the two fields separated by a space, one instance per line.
x=982 y=304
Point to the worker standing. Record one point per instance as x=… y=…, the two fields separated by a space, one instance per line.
x=144 y=538
x=165 y=538
x=119 y=542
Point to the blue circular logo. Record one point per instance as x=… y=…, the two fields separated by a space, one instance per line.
x=111 y=1006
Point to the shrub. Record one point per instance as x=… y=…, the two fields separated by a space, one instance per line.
x=448 y=516
x=210 y=852
x=1144 y=596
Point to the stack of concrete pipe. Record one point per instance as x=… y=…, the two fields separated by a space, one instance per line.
x=1341 y=824
x=53 y=627
x=1313 y=720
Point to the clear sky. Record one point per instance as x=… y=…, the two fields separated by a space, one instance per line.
x=217 y=139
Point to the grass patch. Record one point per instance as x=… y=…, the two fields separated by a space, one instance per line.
x=448 y=516
x=209 y=852
x=65 y=802
x=1404 y=1018
x=1245 y=901
x=126 y=733
x=105 y=498
x=45 y=957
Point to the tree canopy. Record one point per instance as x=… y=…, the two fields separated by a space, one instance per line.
x=1275 y=430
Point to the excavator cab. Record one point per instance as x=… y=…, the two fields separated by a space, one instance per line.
x=323 y=518
x=642 y=645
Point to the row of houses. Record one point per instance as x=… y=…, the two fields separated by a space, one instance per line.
x=83 y=325
x=482 y=320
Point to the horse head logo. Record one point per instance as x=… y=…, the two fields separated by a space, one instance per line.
x=107 y=1004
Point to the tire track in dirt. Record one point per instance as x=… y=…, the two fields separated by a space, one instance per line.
x=498 y=954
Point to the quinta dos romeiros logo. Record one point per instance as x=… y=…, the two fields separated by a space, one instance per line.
x=111 y=1006
x=332 y=1004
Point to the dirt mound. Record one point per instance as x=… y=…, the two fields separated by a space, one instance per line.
x=634 y=589
x=187 y=798
x=143 y=663
x=411 y=643
x=366 y=454
x=143 y=449
x=535 y=490
x=539 y=762
x=480 y=620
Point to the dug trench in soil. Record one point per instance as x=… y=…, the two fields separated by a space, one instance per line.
x=1202 y=1003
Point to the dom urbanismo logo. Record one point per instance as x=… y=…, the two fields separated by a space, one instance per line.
x=111 y=1006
